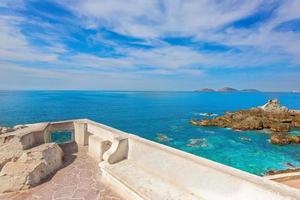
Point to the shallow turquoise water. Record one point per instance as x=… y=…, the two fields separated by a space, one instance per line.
x=149 y=113
x=61 y=137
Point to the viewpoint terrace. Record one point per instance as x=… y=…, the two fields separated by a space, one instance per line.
x=105 y=163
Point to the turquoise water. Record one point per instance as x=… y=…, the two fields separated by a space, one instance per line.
x=61 y=137
x=150 y=113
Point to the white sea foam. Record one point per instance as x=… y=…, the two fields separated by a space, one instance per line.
x=206 y=114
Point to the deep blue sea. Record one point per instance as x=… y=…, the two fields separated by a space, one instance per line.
x=148 y=114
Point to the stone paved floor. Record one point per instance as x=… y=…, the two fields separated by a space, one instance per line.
x=295 y=183
x=79 y=179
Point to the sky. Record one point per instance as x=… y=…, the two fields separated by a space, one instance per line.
x=149 y=44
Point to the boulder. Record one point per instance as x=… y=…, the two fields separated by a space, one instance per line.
x=283 y=139
x=250 y=123
x=10 y=151
x=6 y=130
x=9 y=129
x=31 y=167
x=280 y=127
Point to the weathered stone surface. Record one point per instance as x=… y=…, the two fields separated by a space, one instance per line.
x=277 y=120
x=9 y=129
x=31 y=167
x=10 y=151
x=280 y=127
x=284 y=171
x=283 y=139
x=270 y=116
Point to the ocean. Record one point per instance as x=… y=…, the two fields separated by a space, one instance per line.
x=163 y=115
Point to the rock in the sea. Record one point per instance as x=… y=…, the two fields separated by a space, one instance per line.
x=280 y=127
x=31 y=167
x=270 y=116
x=284 y=171
x=197 y=142
x=246 y=139
x=162 y=138
x=283 y=139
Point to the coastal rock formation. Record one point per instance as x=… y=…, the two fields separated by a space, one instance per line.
x=32 y=166
x=284 y=139
x=25 y=161
x=284 y=171
x=9 y=129
x=198 y=142
x=270 y=116
x=162 y=138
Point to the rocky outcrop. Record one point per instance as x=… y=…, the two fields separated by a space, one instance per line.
x=24 y=158
x=162 y=138
x=271 y=116
x=283 y=139
x=31 y=167
x=284 y=171
x=255 y=119
x=9 y=129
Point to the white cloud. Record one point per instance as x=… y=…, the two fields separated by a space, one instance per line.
x=151 y=19
x=14 y=46
x=199 y=19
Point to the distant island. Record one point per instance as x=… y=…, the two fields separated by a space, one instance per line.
x=226 y=89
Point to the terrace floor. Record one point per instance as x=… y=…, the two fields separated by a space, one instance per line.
x=79 y=179
x=295 y=183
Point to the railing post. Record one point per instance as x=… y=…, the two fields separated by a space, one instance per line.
x=47 y=135
x=81 y=135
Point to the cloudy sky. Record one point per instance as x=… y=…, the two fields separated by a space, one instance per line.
x=149 y=45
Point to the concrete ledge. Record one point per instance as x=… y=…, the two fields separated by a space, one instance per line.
x=97 y=147
x=284 y=176
x=142 y=169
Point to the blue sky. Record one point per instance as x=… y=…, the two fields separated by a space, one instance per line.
x=149 y=45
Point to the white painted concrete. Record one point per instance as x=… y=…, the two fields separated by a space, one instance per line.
x=142 y=169
x=97 y=147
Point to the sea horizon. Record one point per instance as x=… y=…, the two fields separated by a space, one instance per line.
x=113 y=90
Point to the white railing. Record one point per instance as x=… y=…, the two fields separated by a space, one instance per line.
x=142 y=169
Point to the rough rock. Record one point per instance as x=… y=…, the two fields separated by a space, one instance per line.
x=284 y=171
x=270 y=116
x=283 y=139
x=5 y=130
x=9 y=129
x=9 y=151
x=31 y=167
x=162 y=138
x=280 y=127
